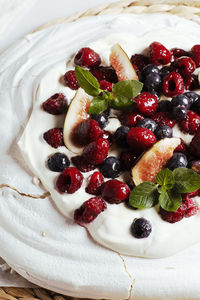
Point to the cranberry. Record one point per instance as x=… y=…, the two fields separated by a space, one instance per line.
x=106 y=85
x=56 y=104
x=96 y=151
x=69 y=181
x=146 y=103
x=81 y=164
x=89 y=210
x=115 y=191
x=105 y=73
x=159 y=55
x=178 y=52
x=184 y=65
x=191 y=123
x=173 y=84
x=130 y=119
x=70 y=80
x=140 y=139
x=195 y=53
x=139 y=61
x=163 y=118
x=54 y=137
x=87 y=57
x=95 y=182
x=128 y=159
x=194 y=147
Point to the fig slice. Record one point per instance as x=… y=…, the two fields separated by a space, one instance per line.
x=154 y=160
x=77 y=112
x=121 y=63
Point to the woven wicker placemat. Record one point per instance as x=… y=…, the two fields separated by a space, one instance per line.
x=189 y=9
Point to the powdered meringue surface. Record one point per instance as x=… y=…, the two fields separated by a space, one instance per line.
x=50 y=249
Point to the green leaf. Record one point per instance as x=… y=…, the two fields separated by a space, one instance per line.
x=122 y=103
x=186 y=180
x=145 y=195
x=87 y=81
x=127 y=89
x=98 y=105
x=170 y=200
x=165 y=178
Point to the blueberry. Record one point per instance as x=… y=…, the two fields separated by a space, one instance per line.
x=195 y=166
x=164 y=106
x=152 y=82
x=164 y=71
x=179 y=112
x=102 y=119
x=111 y=167
x=120 y=136
x=150 y=69
x=181 y=100
x=178 y=160
x=58 y=162
x=192 y=96
x=196 y=106
x=147 y=123
x=141 y=228
x=163 y=131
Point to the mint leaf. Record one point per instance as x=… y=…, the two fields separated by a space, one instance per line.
x=127 y=89
x=121 y=104
x=170 y=200
x=145 y=195
x=87 y=81
x=165 y=178
x=186 y=180
x=98 y=105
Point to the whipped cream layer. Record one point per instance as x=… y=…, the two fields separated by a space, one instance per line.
x=112 y=227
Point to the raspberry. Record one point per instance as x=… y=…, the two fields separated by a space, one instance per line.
x=191 y=82
x=173 y=84
x=128 y=160
x=140 y=139
x=86 y=132
x=106 y=85
x=69 y=181
x=96 y=151
x=178 y=52
x=195 y=53
x=95 y=182
x=184 y=65
x=115 y=191
x=146 y=103
x=191 y=123
x=130 y=119
x=56 y=104
x=159 y=55
x=54 y=137
x=81 y=164
x=70 y=80
x=182 y=147
x=163 y=118
x=87 y=57
x=107 y=135
x=89 y=210
x=139 y=61
x=105 y=73
x=194 y=147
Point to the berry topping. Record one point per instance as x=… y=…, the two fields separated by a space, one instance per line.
x=58 y=162
x=184 y=65
x=70 y=80
x=130 y=119
x=182 y=147
x=86 y=132
x=159 y=55
x=164 y=71
x=106 y=85
x=191 y=82
x=191 y=123
x=173 y=84
x=163 y=118
x=140 y=139
x=179 y=112
x=111 y=167
x=69 y=181
x=139 y=61
x=120 y=136
x=146 y=103
x=163 y=131
x=194 y=97
x=115 y=191
x=178 y=52
x=152 y=82
x=181 y=100
x=195 y=51
x=178 y=160
x=96 y=151
x=94 y=185
x=147 y=123
x=105 y=73
x=56 y=104
x=141 y=228
x=195 y=166
x=150 y=69
x=82 y=165
x=128 y=159
x=164 y=105
x=54 y=137
x=102 y=119
x=194 y=147
x=87 y=57
x=89 y=210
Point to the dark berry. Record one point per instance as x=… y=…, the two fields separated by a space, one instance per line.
x=195 y=53
x=159 y=55
x=115 y=191
x=150 y=69
x=111 y=167
x=164 y=71
x=173 y=84
x=146 y=103
x=184 y=65
x=164 y=106
x=181 y=100
x=86 y=132
x=128 y=159
x=70 y=80
x=139 y=61
x=108 y=136
x=190 y=123
x=89 y=210
x=163 y=131
x=182 y=147
x=54 y=137
x=105 y=73
x=56 y=104
x=141 y=228
x=58 y=162
x=195 y=166
x=194 y=147
x=69 y=181
x=130 y=119
x=81 y=164
x=179 y=112
x=102 y=119
x=94 y=185
x=178 y=160
x=191 y=82
x=147 y=123
x=178 y=52
x=152 y=82
x=163 y=118
x=105 y=85
x=96 y=151
x=196 y=106
x=120 y=136
x=140 y=139
x=87 y=57
x=192 y=96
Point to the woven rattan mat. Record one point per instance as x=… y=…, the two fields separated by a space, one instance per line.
x=189 y=9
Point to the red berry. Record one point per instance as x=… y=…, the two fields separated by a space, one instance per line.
x=163 y=118
x=106 y=85
x=173 y=84
x=140 y=139
x=96 y=151
x=89 y=210
x=81 y=164
x=54 y=137
x=87 y=57
x=128 y=160
x=70 y=80
x=95 y=182
x=182 y=147
x=191 y=82
x=194 y=147
x=69 y=181
x=104 y=73
x=56 y=104
x=86 y=132
x=159 y=55
x=146 y=103
x=115 y=191
x=195 y=53
x=191 y=123
x=108 y=136
x=178 y=52
x=139 y=61
x=184 y=65
x=130 y=119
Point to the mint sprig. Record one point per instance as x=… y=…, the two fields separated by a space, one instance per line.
x=120 y=98
x=167 y=192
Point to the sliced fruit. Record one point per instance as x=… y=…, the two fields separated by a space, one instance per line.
x=154 y=160
x=77 y=112
x=121 y=63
